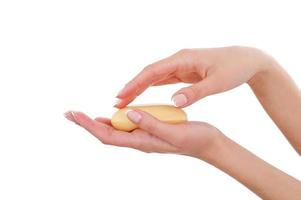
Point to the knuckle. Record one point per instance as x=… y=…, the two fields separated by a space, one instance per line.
x=193 y=92
x=138 y=85
x=135 y=84
x=152 y=72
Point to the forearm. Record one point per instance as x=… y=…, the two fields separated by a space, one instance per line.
x=260 y=177
x=281 y=99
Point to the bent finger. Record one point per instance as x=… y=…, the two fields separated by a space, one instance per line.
x=188 y=95
x=147 y=77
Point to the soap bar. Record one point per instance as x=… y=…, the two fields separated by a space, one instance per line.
x=166 y=113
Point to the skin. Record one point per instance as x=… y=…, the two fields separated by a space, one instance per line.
x=211 y=71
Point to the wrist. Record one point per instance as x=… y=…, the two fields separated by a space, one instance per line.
x=267 y=67
x=213 y=151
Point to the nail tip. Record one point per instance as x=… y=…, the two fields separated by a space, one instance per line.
x=117 y=101
x=67 y=116
x=133 y=116
x=126 y=112
x=70 y=115
x=179 y=100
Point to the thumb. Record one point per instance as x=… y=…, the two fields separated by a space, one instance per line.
x=152 y=125
x=188 y=95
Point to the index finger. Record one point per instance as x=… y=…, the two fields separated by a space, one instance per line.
x=147 y=77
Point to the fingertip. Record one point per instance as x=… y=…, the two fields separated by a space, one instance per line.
x=118 y=101
x=134 y=116
x=179 y=100
x=123 y=103
x=69 y=115
x=118 y=106
x=73 y=116
x=123 y=92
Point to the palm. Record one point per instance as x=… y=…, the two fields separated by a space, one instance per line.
x=192 y=136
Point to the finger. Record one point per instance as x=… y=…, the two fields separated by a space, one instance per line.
x=188 y=95
x=102 y=131
x=123 y=102
x=108 y=135
x=147 y=122
x=147 y=77
x=104 y=120
x=69 y=116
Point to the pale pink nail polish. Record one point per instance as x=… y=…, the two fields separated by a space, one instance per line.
x=117 y=101
x=133 y=116
x=179 y=100
x=70 y=116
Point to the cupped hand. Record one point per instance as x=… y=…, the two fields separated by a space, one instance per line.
x=191 y=138
x=209 y=71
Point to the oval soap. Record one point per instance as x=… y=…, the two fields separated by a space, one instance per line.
x=166 y=113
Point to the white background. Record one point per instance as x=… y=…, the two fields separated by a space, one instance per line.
x=59 y=55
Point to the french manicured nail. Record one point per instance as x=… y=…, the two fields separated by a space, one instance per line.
x=70 y=116
x=133 y=116
x=179 y=100
x=117 y=101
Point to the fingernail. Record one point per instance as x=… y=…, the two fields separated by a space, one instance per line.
x=70 y=116
x=133 y=116
x=117 y=101
x=179 y=100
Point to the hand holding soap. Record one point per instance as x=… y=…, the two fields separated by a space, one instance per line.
x=166 y=113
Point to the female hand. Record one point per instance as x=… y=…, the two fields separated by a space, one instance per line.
x=191 y=138
x=209 y=71
x=199 y=140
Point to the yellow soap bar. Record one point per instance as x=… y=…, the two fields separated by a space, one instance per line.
x=166 y=113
